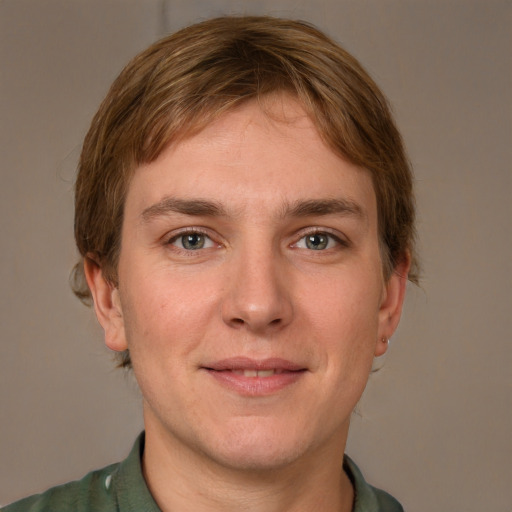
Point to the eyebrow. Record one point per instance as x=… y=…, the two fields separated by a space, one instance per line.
x=194 y=207
x=207 y=208
x=319 y=207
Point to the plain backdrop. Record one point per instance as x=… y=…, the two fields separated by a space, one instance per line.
x=434 y=426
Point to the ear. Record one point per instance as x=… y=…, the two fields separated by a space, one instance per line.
x=107 y=305
x=391 y=305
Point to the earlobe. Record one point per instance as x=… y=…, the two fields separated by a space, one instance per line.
x=382 y=346
x=106 y=305
x=391 y=305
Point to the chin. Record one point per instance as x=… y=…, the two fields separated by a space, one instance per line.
x=259 y=449
x=257 y=458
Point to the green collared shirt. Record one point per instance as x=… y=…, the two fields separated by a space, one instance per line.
x=121 y=488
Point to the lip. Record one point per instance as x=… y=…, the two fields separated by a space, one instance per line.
x=228 y=373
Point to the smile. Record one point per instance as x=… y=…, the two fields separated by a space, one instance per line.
x=257 y=373
x=249 y=377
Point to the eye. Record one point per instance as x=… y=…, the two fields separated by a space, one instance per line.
x=317 y=241
x=192 y=241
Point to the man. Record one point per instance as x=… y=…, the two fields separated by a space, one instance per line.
x=245 y=217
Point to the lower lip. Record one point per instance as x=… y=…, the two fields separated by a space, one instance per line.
x=256 y=386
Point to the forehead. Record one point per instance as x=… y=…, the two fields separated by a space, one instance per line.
x=263 y=152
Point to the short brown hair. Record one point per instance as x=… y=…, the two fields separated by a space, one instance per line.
x=184 y=81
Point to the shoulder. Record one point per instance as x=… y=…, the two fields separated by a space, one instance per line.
x=88 y=494
x=386 y=502
x=116 y=488
x=367 y=497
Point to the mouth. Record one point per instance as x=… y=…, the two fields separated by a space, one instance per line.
x=258 y=373
x=250 y=377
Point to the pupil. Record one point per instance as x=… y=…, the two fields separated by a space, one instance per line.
x=193 y=241
x=316 y=242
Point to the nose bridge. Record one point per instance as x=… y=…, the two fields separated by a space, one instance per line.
x=258 y=298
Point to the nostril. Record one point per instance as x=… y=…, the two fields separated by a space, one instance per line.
x=239 y=322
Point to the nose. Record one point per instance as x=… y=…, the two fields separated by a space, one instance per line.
x=259 y=295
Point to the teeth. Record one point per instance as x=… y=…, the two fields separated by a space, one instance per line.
x=256 y=373
x=266 y=373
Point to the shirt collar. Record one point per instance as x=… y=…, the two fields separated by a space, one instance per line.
x=133 y=495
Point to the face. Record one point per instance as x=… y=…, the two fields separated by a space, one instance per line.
x=251 y=294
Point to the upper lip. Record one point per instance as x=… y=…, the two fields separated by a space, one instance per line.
x=246 y=363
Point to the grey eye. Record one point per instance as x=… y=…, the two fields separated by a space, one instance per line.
x=192 y=241
x=317 y=241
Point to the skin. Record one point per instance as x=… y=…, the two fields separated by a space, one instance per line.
x=252 y=285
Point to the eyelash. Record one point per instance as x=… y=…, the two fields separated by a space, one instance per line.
x=339 y=241
x=331 y=237
x=190 y=231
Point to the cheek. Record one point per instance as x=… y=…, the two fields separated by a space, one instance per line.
x=164 y=315
x=345 y=317
x=159 y=334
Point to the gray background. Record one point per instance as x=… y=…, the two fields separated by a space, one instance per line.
x=434 y=426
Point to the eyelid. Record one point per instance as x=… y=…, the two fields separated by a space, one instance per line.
x=171 y=237
x=338 y=237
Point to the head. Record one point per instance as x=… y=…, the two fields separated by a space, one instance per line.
x=187 y=81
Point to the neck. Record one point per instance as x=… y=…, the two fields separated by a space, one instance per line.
x=182 y=480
